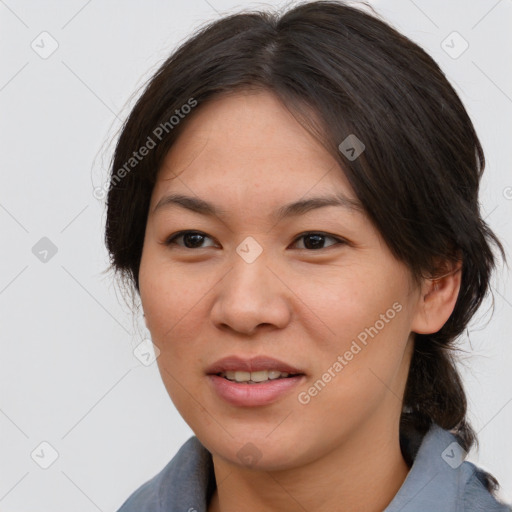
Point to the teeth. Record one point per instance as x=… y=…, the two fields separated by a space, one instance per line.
x=253 y=377
x=242 y=376
x=260 y=376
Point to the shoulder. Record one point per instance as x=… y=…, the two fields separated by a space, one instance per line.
x=182 y=484
x=475 y=496
x=441 y=479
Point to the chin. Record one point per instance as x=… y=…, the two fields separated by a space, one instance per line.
x=253 y=450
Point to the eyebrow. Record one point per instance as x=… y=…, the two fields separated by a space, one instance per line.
x=296 y=208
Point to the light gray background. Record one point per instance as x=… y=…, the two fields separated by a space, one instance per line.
x=67 y=369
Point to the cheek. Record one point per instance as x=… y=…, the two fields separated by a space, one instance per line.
x=175 y=314
x=172 y=298
x=353 y=302
x=355 y=379
x=367 y=324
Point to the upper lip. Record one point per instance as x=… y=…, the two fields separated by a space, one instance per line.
x=252 y=364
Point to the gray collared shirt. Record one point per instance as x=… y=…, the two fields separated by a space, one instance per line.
x=438 y=481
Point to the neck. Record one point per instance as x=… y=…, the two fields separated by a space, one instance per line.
x=363 y=473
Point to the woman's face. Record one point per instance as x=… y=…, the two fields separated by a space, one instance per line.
x=313 y=287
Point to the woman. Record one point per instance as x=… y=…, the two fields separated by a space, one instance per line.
x=295 y=200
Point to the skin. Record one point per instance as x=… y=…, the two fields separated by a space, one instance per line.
x=248 y=155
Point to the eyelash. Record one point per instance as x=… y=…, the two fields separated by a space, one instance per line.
x=171 y=240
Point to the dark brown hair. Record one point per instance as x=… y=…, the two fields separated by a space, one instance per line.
x=340 y=71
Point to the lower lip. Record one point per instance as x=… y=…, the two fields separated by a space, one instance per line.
x=252 y=395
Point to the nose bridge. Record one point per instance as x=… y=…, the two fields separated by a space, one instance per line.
x=249 y=271
x=249 y=295
x=248 y=280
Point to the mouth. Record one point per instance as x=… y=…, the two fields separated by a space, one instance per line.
x=256 y=382
x=253 y=370
x=265 y=377
x=257 y=377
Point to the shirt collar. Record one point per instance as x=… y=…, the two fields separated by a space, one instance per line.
x=435 y=481
x=437 y=476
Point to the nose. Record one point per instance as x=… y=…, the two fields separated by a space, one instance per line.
x=251 y=296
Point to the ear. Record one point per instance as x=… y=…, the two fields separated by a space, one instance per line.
x=437 y=299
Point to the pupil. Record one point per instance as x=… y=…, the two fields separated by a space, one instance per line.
x=197 y=237
x=317 y=243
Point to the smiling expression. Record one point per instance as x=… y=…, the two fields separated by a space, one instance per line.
x=256 y=246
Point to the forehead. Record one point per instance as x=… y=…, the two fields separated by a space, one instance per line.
x=248 y=143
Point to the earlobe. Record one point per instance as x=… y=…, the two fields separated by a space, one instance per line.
x=437 y=301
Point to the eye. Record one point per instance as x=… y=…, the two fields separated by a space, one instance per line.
x=195 y=239
x=315 y=240
x=191 y=239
